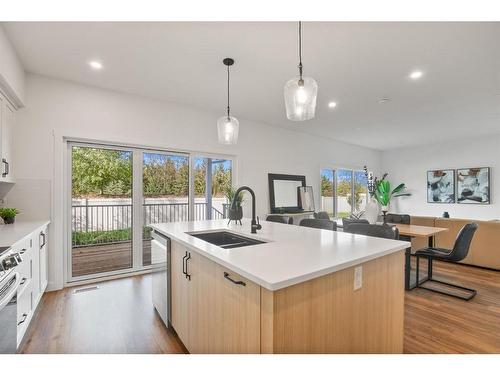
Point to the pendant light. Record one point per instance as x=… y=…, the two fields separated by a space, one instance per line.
x=300 y=92
x=228 y=126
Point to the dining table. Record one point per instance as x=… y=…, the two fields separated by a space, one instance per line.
x=416 y=231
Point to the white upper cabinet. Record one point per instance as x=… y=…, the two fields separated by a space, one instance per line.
x=7 y=118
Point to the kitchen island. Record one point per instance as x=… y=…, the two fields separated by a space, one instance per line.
x=303 y=290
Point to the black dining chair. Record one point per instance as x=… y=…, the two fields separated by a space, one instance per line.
x=373 y=230
x=346 y=221
x=459 y=252
x=279 y=219
x=319 y=224
x=322 y=215
x=399 y=219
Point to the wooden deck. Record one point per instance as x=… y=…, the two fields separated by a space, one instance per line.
x=89 y=260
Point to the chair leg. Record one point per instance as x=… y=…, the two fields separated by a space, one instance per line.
x=417 y=270
x=473 y=292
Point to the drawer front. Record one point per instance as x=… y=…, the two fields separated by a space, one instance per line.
x=23 y=312
x=26 y=251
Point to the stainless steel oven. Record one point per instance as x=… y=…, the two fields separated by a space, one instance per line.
x=9 y=282
x=8 y=312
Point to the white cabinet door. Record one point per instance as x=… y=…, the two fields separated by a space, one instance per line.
x=43 y=260
x=8 y=116
x=2 y=105
x=35 y=260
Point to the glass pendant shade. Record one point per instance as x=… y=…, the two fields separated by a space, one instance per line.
x=227 y=128
x=300 y=98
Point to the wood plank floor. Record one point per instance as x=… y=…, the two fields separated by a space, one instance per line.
x=435 y=323
x=119 y=318
x=116 y=318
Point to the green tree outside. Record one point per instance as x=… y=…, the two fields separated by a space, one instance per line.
x=108 y=173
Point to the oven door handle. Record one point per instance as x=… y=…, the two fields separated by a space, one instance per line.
x=10 y=293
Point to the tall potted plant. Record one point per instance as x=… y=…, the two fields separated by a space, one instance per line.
x=384 y=194
x=372 y=207
x=381 y=194
x=236 y=213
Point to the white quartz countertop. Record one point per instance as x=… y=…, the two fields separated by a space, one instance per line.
x=12 y=233
x=292 y=254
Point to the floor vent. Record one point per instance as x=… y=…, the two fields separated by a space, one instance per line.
x=88 y=289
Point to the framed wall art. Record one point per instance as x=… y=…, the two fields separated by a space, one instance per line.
x=473 y=185
x=441 y=186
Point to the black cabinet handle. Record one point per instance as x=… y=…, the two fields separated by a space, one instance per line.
x=44 y=239
x=22 y=251
x=188 y=276
x=184 y=263
x=23 y=280
x=226 y=276
x=7 y=168
x=23 y=319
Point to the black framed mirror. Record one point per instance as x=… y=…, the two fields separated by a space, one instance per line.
x=283 y=192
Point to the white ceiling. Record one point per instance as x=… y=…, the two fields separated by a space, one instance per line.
x=355 y=64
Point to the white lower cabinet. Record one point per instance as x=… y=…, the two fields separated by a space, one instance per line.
x=33 y=273
x=43 y=266
x=24 y=311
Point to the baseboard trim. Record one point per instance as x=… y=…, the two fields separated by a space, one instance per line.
x=106 y=278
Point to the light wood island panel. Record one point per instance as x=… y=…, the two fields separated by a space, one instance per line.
x=323 y=315
x=326 y=315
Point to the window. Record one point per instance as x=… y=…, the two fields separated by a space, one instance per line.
x=212 y=177
x=343 y=192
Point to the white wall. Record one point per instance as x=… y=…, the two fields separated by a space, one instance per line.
x=12 y=77
x=57 y=109
x=410 y=165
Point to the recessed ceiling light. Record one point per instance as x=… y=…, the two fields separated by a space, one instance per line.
x=416 y=74
x=96 y=65
x=332 y=104
x=383 y=100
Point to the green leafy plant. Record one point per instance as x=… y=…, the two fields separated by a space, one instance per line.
x=383 y=193
x=8 y=213
x=231 y=193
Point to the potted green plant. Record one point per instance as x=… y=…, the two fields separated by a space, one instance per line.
x=236 y=213
x=8 y=215
x=383 y=193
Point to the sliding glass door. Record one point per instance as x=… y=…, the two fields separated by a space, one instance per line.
x=212 y=178
x=165 y=179
x=343 y=192
x=101 y=210
x=117 y=192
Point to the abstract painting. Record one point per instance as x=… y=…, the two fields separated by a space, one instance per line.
x=473 y=186
x=441 y=186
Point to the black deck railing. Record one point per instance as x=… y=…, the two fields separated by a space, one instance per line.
x=98 y=224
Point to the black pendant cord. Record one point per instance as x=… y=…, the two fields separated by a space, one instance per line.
x=300 y=49
x=228 y=92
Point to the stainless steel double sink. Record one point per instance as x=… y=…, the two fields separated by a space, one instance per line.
x=226 y=239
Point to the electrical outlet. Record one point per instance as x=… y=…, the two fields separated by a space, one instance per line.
x=358 y=277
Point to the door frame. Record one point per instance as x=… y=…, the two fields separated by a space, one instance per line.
x=137 y=201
